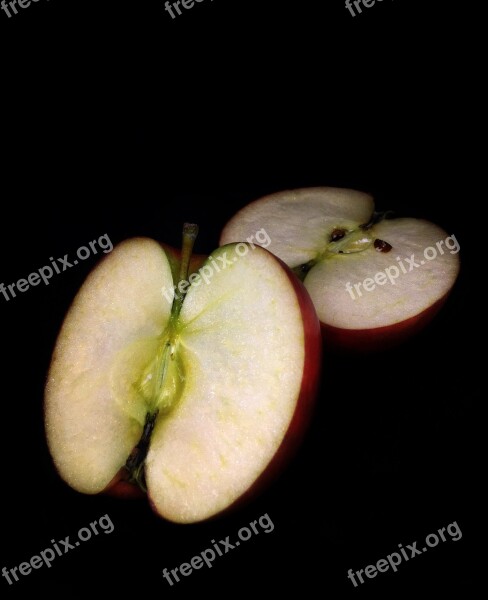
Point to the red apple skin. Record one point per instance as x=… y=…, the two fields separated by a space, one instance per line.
x=119 y=487
x=378 y=339
x=305 y=404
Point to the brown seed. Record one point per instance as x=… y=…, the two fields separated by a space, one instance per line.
x=337 y=234
x=382 y=246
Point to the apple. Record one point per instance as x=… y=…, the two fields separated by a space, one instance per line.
x=198 y=399
x=374 y=282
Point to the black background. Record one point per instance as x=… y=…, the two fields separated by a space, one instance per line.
x=116 y=119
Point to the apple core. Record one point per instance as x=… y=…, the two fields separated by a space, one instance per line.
x=162 y=381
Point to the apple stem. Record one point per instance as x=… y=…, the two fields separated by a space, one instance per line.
x=190 y=232
x=135 y=462
x=376 y=218
x=302 y=270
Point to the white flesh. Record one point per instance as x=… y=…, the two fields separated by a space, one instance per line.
x=93 y=418
x=243 y=346
x=299 y=222
x=397 y=297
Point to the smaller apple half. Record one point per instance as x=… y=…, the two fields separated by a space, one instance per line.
x=198 y=405
x=373 y=282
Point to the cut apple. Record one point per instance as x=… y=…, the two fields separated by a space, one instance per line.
x=373 y=283
x=196 y=399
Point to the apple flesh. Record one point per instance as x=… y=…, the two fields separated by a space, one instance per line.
x=373 y=300
x=196 y=399
x=367 y=292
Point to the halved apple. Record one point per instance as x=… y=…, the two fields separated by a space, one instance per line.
x=195 y=399
x=373 y=283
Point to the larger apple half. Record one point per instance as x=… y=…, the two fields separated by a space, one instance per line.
x=226 y=385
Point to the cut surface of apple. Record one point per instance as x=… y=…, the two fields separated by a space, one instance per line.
x=300 y=222
x=214 y=388
x=369 y=281
x=399 y=295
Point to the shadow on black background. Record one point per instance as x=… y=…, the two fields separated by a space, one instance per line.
x=117 y=120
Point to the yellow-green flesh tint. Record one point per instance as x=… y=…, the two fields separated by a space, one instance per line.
x=227 y=397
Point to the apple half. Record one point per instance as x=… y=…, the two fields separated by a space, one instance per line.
x=373 y=282
x=197 y=399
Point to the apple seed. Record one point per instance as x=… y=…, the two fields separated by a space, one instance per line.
x=382 y=246
x=337 y=234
